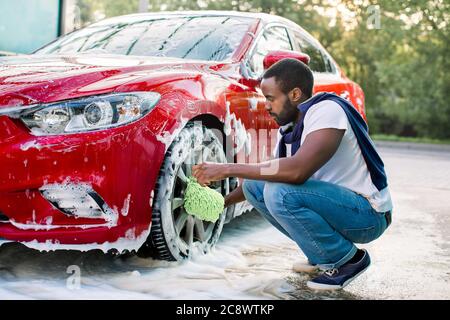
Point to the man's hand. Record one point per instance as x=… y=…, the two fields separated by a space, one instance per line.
x=205 y=173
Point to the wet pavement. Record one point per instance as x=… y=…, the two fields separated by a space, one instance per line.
x=253 y=260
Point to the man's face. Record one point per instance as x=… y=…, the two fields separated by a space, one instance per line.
x=281 y=107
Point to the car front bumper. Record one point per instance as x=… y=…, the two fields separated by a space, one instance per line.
x=115 y=168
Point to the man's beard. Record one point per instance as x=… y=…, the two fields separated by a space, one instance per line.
x=287 y=115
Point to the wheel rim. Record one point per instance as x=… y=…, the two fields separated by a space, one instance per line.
x=188 y=228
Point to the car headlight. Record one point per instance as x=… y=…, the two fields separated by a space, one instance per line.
x=89 y=113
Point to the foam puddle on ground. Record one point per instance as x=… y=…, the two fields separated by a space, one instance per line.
x=253 y=260
x=244 y=265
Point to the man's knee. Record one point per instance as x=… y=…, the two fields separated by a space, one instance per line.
x=253 y=189
x=248 y=186
x=282 y=197
x=273 y=195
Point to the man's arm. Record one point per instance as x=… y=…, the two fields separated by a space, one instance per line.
x=319 y=146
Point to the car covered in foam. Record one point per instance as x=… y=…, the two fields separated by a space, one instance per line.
x=100 y=128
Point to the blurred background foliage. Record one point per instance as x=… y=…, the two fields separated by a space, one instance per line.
x=396 y=50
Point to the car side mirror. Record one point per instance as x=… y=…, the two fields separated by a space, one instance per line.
x=274 y=56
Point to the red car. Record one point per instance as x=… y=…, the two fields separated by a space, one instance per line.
x=99 y=129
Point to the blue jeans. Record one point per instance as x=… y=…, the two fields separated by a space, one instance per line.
x=324 y=219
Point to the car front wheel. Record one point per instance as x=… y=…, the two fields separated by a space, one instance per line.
x=175 y=234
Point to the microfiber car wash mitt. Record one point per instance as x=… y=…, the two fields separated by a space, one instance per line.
x=203 y=202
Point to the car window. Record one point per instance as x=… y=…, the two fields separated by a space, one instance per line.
x=329 y=66
x=319 y=61
x=191 y=37
x=274 y=38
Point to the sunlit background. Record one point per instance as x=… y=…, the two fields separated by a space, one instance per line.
x=396 y=50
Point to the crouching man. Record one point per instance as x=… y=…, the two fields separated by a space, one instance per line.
x=329 y=190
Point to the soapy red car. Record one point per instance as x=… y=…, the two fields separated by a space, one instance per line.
x=100 y=128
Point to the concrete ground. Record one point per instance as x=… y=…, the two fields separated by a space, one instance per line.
x=253 y=260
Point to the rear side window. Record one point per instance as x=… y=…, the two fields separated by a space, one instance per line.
x=329 y=66
x=274 y=38
x=319 y=61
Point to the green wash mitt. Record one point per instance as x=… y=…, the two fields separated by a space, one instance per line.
x=203 y=202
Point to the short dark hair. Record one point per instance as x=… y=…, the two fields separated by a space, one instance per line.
x=291 y=73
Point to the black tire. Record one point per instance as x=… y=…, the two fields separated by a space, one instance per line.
x=171 y=238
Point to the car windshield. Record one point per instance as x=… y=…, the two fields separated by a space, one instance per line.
x=199 y=37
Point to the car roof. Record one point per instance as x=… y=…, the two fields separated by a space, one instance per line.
x=266 y=18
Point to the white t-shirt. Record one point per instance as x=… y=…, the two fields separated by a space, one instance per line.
x=347 y=167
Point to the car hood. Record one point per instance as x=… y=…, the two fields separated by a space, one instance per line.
x=31 y=79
